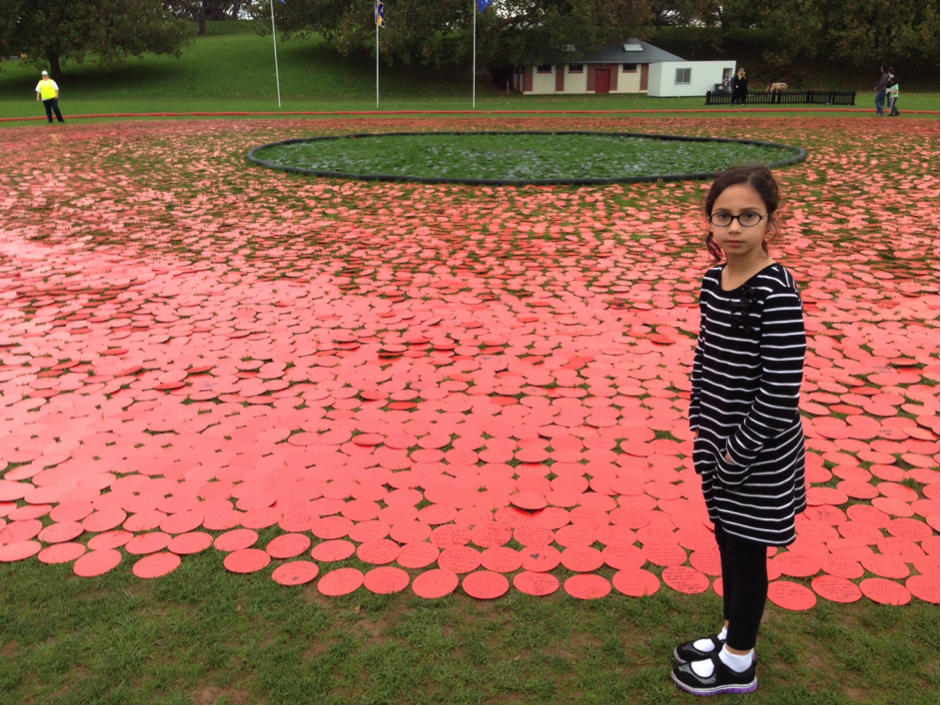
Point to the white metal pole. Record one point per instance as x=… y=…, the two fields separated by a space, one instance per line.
x=474 y=57
x=274 y=39
x=377 y=54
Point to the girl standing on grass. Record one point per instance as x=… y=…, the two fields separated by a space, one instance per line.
x=749 y=440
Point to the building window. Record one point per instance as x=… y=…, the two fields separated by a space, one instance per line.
x=576 y=68
x=544 y=69
x=629 y=68
x=682 y=76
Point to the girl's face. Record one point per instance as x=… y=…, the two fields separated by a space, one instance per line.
x=740 y=243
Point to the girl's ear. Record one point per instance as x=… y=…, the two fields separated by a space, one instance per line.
x=774 y=223
x=771 y=233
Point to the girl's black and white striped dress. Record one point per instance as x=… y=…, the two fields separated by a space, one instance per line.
x=747 y=376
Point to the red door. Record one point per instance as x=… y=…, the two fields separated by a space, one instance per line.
x=602 y=80
x=644 y=70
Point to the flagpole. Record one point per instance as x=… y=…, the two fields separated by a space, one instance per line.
x=377 y=54
x=274 y=39
x=474 y=57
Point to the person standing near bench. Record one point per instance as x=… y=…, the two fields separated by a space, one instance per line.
x=47 y=91
x=739 y=87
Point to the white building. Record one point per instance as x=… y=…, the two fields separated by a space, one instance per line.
x=632 y=67
x=671 y=79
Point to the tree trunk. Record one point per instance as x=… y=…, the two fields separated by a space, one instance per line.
x=55 y=70
x=201 y=17
x=236 y=7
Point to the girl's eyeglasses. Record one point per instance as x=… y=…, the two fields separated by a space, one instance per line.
x=746 y=220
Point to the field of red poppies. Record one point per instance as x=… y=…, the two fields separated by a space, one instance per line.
x=434 y=387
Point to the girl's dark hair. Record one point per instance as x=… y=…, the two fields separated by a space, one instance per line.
x=758 y=177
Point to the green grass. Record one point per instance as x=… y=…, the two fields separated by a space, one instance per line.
x=520 y=156
x=204 y=635
x=232 y=69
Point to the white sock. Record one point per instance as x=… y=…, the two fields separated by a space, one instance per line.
x=737 y=663
x=703 y=668
x=705 y=644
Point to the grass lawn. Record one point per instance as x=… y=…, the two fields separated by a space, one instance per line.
x=518 y=157
x=232 y=69
x=203 y=635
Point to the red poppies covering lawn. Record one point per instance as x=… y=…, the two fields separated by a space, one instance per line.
x=469 y=387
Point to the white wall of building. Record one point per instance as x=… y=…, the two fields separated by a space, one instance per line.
x=703 y=75
x=575 y=82
x=628 y=81
x=545 y=83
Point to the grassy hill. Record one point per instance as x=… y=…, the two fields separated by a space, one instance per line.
x=232 y=69
x=233 y=63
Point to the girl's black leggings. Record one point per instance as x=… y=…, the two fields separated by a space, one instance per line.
x=744 y=587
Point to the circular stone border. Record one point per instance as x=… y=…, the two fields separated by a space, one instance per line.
x=800 y=154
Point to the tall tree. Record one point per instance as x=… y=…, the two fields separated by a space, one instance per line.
x=725 y=14
x=664 y=13
x=202 y=11
x=570 y=29
x=855 y=31
x=438 y=31
x=53 y=31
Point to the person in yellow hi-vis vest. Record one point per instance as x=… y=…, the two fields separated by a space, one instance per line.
x=47 y=91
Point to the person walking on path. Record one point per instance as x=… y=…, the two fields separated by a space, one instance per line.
x=892 y=95
x=739 y=87
x=748 y=443
x=880 y=91
x=47 y=91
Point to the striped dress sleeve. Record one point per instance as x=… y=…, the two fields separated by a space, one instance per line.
x=775 y=409
x=697 y=374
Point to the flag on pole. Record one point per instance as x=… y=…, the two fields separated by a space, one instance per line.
x=482 y=5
